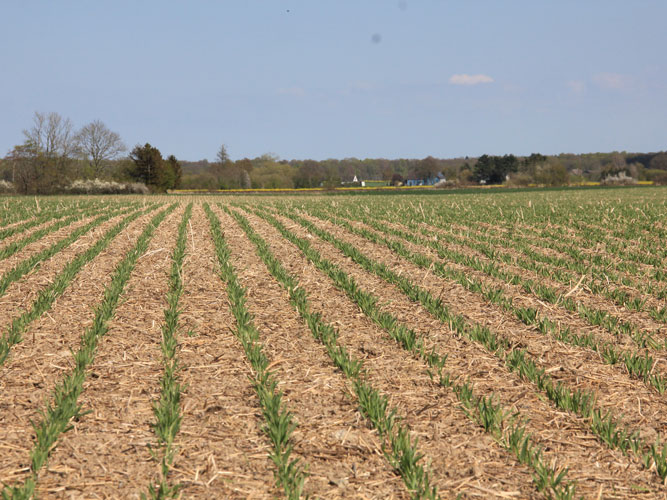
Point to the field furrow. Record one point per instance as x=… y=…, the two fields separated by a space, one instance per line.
x=563 y=282
x=518 y=393
x=63 y=410
x=568 y=286
x=123 y=382
x=464 y=302
x=15 y=259
x=220 y=449
x=45 y=354
x=451 y=467
x=343 y=457
x=625 y=285
x=24 y=283
x=484 y=279
x=42 y=218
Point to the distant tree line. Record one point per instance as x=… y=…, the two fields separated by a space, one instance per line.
x=54 y=155
x=536 y=169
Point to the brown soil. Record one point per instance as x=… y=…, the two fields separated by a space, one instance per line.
x=519 y=298
x=18 y=222
x=41 y=244
x=463 y=459
x=629 y=244
x=21 y=294
x=35 y=365
x=610 y=382
x=640 y=319
x=575 y=238
x=110 y=447
x=342 y=455
x=535 y=243
x=5 y=242
x=593 y=465
x=222 y=451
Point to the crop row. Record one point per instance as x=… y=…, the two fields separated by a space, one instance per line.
x=58 y=415
x=580 y=249
x=279 y=423
x=17 y=245
x=167 y=409
x=56 y=212
x=638 y=363
x=581 y=403
x=563 y=223
x=491 y=265
x=597 y=268
x=48 y=295
x=16 y=210
x=484 y=410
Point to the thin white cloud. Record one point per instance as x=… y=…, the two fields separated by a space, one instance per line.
x=464 y=79
x=576 y=86
x=292 y=91
x=613 y=81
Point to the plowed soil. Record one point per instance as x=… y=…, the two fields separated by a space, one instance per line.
x=222 y=449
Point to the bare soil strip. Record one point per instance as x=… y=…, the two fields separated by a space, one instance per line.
x=5 y=224
x=630 y=245
x=21 y=294
x=35 y=365
x=640 y=319
x=634 y=283
x=42 y=244
x=577 y=236
x=531 y=232
x=6 y=242
x=343 y=456
x=109 y=448
x=580 y=242
x=22 y=226
x=534 y=245
x=564 y=436
x=532 y=236
x=520 y=298
x=642 y=408
x=221 y=451
x=463 y=459
x=39 y=220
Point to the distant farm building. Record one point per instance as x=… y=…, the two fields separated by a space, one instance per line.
x=430 y=181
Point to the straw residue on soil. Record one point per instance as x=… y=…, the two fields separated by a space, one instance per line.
x=20 y=294
x=110 y=446
x=342 y=455
x=37 y=363
x=461 y=457
x=564 y=435
x=221 y=449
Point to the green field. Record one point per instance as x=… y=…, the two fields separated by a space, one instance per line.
x=483 y=344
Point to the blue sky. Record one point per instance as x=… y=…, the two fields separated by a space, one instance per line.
x=333 y=79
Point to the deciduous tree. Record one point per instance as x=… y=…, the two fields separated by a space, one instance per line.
x=43 y=163
x=52 y=135
x=97 y=144
x=427 y=168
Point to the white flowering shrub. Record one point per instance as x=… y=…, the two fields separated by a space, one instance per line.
x=97 y=186
x=6 y=187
